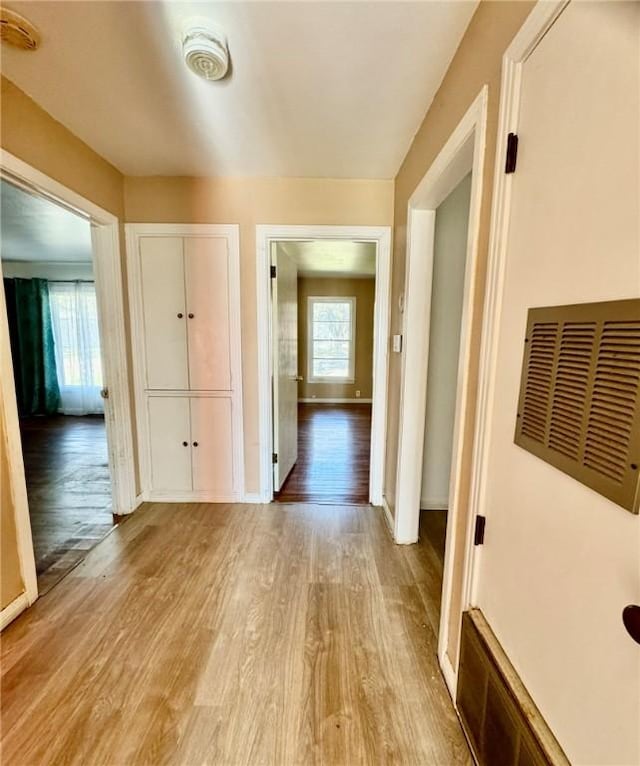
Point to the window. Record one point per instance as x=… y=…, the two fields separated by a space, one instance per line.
x=74 y=316
x=332 y=332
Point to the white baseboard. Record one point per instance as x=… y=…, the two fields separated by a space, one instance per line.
x=317 y=400
x=158 y=496
x=434 y=504
x=254 y=498
x=12 y=610
x=388 y=515
x=450 y=676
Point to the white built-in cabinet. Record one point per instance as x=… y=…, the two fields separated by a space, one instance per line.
x=184 y=286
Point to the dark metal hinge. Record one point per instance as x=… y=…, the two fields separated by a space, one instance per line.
x=273 y=272
x=478 y=537
x=274 y=457
x=512 y=153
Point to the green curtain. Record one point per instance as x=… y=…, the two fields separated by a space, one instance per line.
x=32 y=346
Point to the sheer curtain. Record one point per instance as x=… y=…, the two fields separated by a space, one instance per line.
x=74 y=315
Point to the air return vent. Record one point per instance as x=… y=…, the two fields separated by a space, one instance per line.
x=17 y=31
x=579 y=406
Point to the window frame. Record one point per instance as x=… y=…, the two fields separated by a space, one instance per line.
x=311 y=301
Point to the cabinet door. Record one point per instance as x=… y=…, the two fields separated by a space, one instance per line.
x=212 y=445
x=207 y=290
x=164 y=314
x=170 y=443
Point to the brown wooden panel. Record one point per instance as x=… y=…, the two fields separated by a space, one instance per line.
x=472 y=686
x=492 y=701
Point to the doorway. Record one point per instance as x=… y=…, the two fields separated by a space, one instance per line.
x=80 y=300
x=323 y=296
x=50 y=296
x=333 y=282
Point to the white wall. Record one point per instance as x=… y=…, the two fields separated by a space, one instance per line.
x=560 y=561
x=452 y=218
x=47 y=270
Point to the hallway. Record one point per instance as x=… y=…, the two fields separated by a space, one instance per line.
x=334 y=443
x=235 y=634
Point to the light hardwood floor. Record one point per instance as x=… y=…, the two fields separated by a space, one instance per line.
x=228 y=635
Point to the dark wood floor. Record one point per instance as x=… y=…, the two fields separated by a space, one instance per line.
x=334 y=442
x=69 y=490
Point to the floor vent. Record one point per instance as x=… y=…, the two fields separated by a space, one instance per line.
x=579 y=406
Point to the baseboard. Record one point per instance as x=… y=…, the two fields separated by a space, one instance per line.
x=434 y=504
x=253 y=498
x=158 y=496
x=12 y=610
x=334 y=401
x=388 y=515
x=448 y=673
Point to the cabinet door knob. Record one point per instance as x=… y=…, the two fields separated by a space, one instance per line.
x=180 y=315
x=185 y=444
x=190 y=316
x=195 y=444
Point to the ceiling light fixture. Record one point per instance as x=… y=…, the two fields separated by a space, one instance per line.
x=205 y=50
x=17 y=31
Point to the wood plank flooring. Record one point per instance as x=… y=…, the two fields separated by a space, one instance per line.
x=334 y=442
x=69 y=490
x=234 y=634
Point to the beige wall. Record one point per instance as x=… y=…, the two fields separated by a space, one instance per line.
x=478 y=61
x=34 y=136
x=249 y=202
x=364 y=292
x=11 y=585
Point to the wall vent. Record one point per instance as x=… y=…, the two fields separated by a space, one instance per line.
x=579 y=406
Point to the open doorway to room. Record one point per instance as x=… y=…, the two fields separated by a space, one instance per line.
x=50 y=294
x=323 y=329
x=445 y=325
x=323 y=295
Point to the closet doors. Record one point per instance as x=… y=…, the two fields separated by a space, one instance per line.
x=185 y=305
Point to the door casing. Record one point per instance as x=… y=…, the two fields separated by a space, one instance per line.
x=105 y=238
x=463 y=152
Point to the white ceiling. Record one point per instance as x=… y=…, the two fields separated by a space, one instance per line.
x=34 y=229
x=332 y=258
x=325 y=89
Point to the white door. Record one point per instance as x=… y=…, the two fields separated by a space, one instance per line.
x=561 y=562
x=212 y=445
x=164 y=313
x=285 y=366
x=170 y=443
x=207 y=291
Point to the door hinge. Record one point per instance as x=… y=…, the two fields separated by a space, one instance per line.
x=478 y=537
x=274 y=457
x=273 y=272
x=512 y=153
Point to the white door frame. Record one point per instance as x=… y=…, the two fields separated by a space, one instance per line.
x=105 y=236
x=231 y=232
x=381 y=237
x=535 y=27
x=463 y=153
